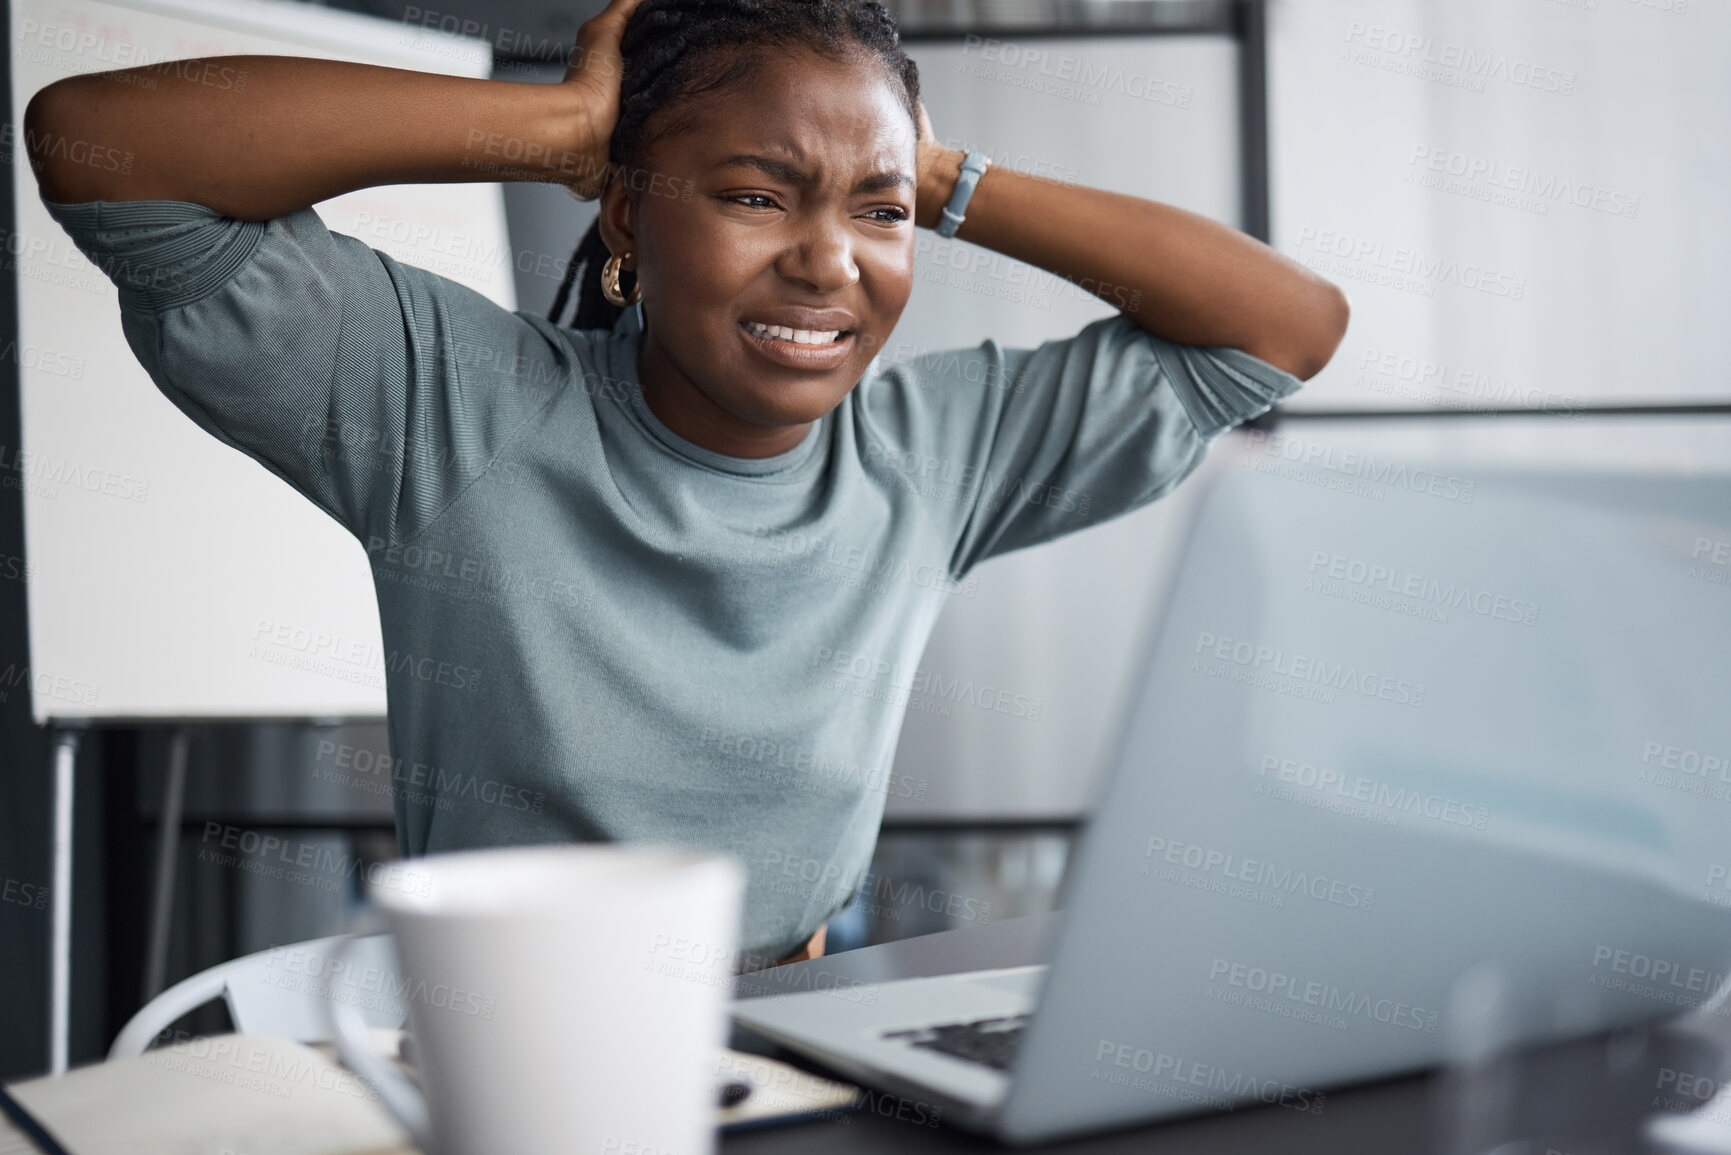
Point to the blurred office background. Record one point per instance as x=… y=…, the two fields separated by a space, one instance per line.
x=1523 y=199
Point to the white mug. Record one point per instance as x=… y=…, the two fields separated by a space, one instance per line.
x=562 y=999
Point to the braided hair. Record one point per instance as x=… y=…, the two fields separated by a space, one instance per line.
x=677 y=50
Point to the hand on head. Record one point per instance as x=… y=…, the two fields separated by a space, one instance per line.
x=595 y=73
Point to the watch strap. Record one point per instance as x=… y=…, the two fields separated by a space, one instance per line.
x=973 y=164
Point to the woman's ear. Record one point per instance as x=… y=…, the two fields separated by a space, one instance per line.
x=618 y=223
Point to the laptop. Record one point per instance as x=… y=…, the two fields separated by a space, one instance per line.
x=1421 y=762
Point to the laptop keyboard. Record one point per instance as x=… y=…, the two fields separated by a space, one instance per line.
x=989 y=1042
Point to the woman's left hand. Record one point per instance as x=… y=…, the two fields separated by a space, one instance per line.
x=936 y=171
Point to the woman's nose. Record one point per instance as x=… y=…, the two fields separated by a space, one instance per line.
x=821 y=256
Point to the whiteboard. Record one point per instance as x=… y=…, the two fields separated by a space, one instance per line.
x=172 y=576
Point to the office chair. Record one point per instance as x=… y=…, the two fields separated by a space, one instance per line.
x=282 y=991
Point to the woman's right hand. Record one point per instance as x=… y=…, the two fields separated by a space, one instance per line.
x=259 y=137
x=595 y=72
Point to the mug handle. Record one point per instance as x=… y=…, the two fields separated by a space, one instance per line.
x=349 y=1032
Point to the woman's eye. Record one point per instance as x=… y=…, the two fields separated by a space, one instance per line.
x=889 y=215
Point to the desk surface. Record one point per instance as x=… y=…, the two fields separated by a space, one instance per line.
x=1589 y=1095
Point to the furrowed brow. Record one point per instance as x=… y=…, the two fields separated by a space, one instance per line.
x=783 y=171
x=879 y=181
x=779 y=169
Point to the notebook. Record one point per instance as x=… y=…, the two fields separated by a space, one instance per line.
x=269 y=1096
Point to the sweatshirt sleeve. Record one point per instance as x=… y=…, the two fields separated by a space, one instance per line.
x=1018 y=446
x=378 y=390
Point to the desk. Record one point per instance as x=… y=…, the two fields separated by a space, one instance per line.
x=1590 y=1095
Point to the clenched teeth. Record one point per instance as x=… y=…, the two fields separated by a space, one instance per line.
x=799 y=336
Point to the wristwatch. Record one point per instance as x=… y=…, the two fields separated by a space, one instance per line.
x=973 y=164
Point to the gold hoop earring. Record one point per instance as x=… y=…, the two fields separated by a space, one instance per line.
x=610 y=283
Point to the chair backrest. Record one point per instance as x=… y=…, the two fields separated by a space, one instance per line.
x=284 y=991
